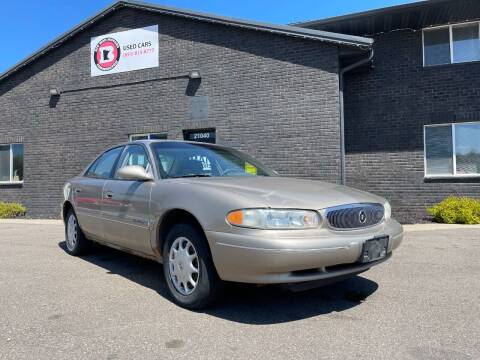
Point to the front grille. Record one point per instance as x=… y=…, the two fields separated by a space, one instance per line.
x=355 y=216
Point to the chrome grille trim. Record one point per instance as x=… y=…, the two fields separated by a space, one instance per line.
x=355 y=216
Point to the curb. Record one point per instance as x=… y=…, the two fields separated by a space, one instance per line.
x=31 y=221
x=436 y=226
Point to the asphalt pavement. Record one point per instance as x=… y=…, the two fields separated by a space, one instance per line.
x=424 y=303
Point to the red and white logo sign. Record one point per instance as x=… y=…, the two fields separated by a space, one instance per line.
x=124 y=51
x=106 y=54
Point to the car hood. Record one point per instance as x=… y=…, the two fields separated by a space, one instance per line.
x=287 y=192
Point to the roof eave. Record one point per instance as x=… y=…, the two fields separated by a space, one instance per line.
x=59 y=40
x=374 y=12
x=340 y=39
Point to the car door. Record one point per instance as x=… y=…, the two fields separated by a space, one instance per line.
x=126 y=204
x=87 y=193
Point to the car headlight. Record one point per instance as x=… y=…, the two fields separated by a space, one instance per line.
x=387 y=209
x=274 y=219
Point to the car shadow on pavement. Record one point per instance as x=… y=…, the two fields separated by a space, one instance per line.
x=243 y=303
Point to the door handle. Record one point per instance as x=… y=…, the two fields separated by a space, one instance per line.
x=109 y=194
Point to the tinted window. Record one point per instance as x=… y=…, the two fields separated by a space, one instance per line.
x=439 y=150
x=138 y=137
x=4 y=162
x=104 y=165
x=153 y=136
x=437 y=46
x=466 y=46
x=160 y=136
x=467 y=149
x=11 y=163
x=17 y=162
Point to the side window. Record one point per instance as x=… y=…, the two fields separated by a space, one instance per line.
x=436 y=46
x=135 y=155
x=452 y=150
x=103 y=167
x=11 y=163
x=451 y=44
x=151 y=136
x=439 y=150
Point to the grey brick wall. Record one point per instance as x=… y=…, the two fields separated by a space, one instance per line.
x=273 y=96
x=386 y=110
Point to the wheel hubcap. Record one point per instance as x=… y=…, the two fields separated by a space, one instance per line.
x=71 y=233
x=183 y=265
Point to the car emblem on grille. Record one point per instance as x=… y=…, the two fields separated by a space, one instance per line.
x=362 y=216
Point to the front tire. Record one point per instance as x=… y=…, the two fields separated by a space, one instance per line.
x=76 y=242
x=189 y=271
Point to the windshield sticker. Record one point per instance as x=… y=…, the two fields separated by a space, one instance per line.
x=250 y=169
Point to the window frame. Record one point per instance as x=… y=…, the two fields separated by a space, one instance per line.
x=454 y=175
x=450 y=27
x=12 y=182
x=148 y=135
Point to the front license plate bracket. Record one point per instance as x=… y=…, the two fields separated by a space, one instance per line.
x=374 y=249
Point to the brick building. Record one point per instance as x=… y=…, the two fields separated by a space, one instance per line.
x=269 y=90
x=273 y=91
x=412 y=120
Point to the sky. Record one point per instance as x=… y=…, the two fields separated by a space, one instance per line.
x=27 y=25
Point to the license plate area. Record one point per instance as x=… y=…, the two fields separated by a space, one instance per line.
x=374 y=249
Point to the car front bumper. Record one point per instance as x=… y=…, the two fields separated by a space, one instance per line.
x=264 y=257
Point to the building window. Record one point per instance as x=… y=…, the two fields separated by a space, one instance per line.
x=11 y=163
x=149 y=136
x=452 y=150
x=451 y=44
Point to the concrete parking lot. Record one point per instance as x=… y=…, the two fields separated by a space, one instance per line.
x=422 y=304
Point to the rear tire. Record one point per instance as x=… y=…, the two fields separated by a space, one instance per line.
x=188 y=267
x=75 y=241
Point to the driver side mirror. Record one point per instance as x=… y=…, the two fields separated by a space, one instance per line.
x=134 y=173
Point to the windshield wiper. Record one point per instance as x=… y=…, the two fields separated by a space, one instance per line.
x=190 y=176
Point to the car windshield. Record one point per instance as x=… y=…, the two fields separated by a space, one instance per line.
x=179 y=160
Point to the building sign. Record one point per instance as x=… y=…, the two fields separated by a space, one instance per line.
x=124 y=51
x=203 y=135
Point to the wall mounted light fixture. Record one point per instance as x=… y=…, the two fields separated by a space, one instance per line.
x=54 y=92
x=194 y=74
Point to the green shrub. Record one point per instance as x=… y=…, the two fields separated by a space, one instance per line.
x=11 y=210
x=456 y=210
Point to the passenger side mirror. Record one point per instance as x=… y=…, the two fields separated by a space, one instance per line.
x=134 y=173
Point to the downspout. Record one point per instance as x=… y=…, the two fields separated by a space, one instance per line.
x=342 y=112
